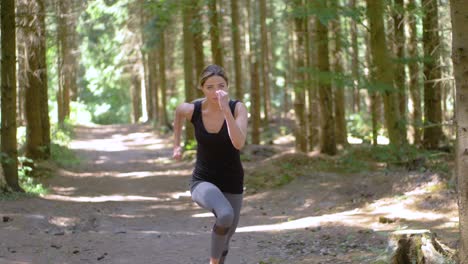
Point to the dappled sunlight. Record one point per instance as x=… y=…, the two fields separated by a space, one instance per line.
x=178 y=195
x=105 y=145
x=144 y=174
x=64 y=190
x=121 y=142
x=203 y=215
x=102 y=198
x=349 y=218
x=63 y=221
x=130 y=175
x=399 y=210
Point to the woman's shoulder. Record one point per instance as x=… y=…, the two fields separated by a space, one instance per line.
x=186 y=109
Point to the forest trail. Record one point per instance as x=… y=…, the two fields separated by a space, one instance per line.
x=128 y=202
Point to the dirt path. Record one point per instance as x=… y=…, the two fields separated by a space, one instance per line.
x=127 y=202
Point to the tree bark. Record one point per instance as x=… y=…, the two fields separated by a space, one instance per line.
x=154 y=84
x=265 y=65
x=136 y=97
x=237 y=49
x=328 y=136
x=313 y=101
x=65 y=61
x=33 y=27
x=8 y=91
x=198 y=43
x=188 y=63
x=300 y=130
x=383 y=69
x=432 y=86
x=459 y=9
x=339 y=88
x=400 y=75
x=215 y=33
x=414 y=73
x=162 y=80
x=355 y=61
x=255 y=107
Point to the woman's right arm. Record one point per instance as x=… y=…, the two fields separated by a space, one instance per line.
x=183 y=112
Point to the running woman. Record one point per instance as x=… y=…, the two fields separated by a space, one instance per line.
x=218 y=177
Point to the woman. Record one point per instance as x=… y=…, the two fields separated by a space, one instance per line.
x=217 y=180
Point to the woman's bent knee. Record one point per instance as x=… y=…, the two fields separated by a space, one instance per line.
x=225 y=218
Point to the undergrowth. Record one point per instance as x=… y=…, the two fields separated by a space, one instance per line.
x=284 y=168
x=31 y=172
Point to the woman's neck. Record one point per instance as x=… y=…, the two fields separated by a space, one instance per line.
x=211 y=107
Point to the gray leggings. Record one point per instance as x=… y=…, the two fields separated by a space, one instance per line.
x=225 y=206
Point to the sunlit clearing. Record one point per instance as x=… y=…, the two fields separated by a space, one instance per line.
x=108 y=145
x=284 y=140
x=381 y=140
x=353 y=140
x=103 y=198
x=206 y=215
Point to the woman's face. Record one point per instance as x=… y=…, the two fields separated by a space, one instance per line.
x=213 y=84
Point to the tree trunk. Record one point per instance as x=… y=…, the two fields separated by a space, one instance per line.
x=382 y=64
x=459 y=9
x=197 y=31
x=432 y=94
x=188 y=63
x=355 y=61
x=162 y=80
x=154 y=84
x=255 y=107
x=215 y=33
x=419 y=247
x=328 y=136
x=36 y=82
x=339 y=88
x=265 y=65
x=21 y=75
x=313 y=102
x=144 y=17
x=136 y=97
x=300 y=130
x=44 y=92
x=8 y=99
x=237 y=49
x=414 y=73
x=400 y=75
x=64 y=66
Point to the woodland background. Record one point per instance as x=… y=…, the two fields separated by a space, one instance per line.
x=337 y=77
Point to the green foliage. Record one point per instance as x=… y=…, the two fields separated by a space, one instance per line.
x=104 y=88
x=60 y=153
x=28 y=183
x=359 y=126
x=191 y=145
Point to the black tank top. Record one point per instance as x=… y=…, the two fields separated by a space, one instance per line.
x=218 y=161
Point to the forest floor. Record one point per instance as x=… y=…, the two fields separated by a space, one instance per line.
x=128 y=202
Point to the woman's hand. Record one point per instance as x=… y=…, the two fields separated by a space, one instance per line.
x=177 y=154
x=223 y=99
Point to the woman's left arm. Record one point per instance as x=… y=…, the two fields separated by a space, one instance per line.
x=237 y=123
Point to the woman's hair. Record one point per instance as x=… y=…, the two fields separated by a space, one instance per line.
x=212 y=70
